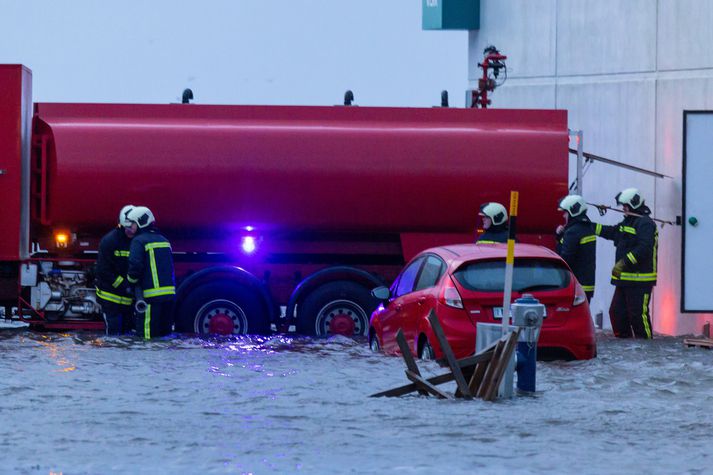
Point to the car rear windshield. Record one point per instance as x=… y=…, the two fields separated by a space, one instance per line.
x=529 y=275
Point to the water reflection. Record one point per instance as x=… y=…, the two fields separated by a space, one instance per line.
x=287 y=404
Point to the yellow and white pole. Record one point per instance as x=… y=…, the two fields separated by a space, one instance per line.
x=509 y=262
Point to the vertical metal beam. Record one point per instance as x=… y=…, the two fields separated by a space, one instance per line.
x=579 y=138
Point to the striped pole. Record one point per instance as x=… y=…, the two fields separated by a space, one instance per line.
x=509 y=262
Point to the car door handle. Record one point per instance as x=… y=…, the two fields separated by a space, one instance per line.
x=422 y=300
x=398 y=307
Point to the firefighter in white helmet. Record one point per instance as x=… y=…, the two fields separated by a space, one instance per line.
x=577 y=243
x=495 y=223
x=111 y=285
x=151 y=272
x=634 y=274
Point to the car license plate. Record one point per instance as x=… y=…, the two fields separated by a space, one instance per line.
x=498 y=313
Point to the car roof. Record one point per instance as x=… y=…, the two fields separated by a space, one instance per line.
x=456 y=254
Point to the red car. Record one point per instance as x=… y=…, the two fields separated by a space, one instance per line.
x=464 y=284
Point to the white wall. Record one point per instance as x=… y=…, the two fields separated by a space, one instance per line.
x=625 y=70
x=233 y=51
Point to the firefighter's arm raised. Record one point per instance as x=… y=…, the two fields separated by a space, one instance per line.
x=645 y=233
x=605 y=231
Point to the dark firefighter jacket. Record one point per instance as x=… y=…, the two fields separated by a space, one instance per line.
x=112 y=265
x=577 y=245
x=151 y=265
x=494 y=234
x=636 y=241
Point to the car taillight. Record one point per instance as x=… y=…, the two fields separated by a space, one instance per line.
x=579 y=296
x=450 y=295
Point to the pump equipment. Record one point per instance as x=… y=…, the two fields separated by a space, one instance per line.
x=493 y=65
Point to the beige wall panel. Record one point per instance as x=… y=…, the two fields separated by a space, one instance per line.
x=685 y=34
x=605 y=36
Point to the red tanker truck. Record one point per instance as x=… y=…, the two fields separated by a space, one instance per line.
x=275 y=214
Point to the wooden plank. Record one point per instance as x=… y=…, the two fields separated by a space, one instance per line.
x=465 y=363
x=502 y=366
x=489 y=370
x=483 y=355
x=493 y=384
x=419 y=381
x=481 y=366
x=408 y=358
x=406 y=352
x=477 y=376
x=700 y=342
x=474 y=374
x=450 y=356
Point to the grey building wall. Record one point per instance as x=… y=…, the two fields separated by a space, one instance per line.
x=625 y=70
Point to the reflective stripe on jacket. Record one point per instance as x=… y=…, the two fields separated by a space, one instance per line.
x=112 y=265
x=493 y=235
x=578 y=247
x=636 y=240
x=151 y=266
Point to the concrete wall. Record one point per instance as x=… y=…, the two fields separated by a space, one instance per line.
x=625 y=70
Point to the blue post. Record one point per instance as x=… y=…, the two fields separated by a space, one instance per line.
x=526 y=366
x=527 y=314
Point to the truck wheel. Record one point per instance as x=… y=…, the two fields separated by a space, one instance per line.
x=341 y=308
x=222 y=309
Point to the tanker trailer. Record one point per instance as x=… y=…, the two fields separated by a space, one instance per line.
x=272 y=210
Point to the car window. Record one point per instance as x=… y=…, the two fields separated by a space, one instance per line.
x=430 y=273
x=529 y=275
x=408 y=278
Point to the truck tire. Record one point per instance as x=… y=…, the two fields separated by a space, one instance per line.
x=222 y=309
x=336 y=308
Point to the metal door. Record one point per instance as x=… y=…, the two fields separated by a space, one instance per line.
x=697 y=255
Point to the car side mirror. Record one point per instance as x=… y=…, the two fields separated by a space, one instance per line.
x=381 y=293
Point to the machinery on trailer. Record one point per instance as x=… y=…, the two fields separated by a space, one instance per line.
x=272 y=211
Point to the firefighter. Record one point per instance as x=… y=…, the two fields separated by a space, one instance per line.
x=577 y=243
x=495 y=223
x=634 y=274
x=151 y=272
x=111 y=285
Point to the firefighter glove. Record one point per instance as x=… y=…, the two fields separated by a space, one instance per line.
x=618 y=268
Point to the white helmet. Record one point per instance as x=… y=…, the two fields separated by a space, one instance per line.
x=142 y=216
x=495 y=211
x=123 y=221
x=574 y=205
x=631 y=197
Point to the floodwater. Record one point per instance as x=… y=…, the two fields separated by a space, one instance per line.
x=86 y=404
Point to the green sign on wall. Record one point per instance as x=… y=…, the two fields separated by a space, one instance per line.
x=451 y=14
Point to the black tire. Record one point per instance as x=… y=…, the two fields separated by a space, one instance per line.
x=374 y=344
x=228 y=302
x=426 y=353
x=340 y=299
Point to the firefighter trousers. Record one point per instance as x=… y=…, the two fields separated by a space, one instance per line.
x=156 y=321
x=629 y=312
x=118 y=319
